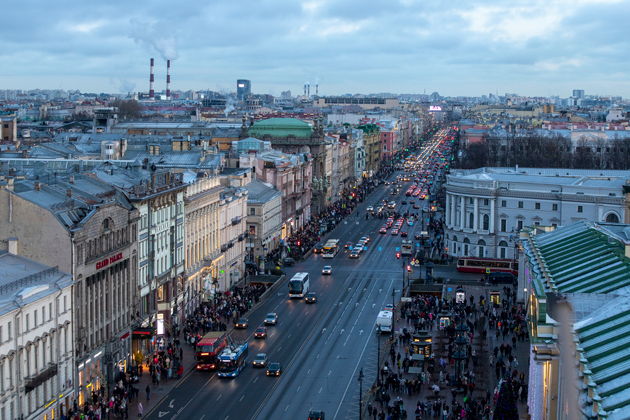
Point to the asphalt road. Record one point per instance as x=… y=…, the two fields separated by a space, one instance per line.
x=321 y=346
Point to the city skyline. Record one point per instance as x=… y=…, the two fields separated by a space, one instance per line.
x=461 y=49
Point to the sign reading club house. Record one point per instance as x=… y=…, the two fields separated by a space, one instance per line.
x=107 y=261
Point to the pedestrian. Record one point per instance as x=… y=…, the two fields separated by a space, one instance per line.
x=148 y=391
x=140 y=408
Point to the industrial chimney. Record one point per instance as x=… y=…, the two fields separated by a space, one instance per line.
x=316 y=89
x=151 y=80
x=168 y=79
x=308 y=90
x=304 y=89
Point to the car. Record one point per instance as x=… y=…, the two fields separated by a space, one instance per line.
x=502 y=278
x=348 y=245
x=310 y=297
x=403 y=234
x=316 y=415
x=365 y=239
x=391 y=204
x=395 y=232
x=410 y=222
x=274 y=369
x=388 y=307
x=354 y=254
x=359 y=247
x=288 y=261
x=369 y=208
x=417 y=236
x=327 y=269
x=260 y=332
x=242 y=323
x=271 y=318
x=317 y=249
x=403 y=202
x=260 y=360
x=382 y=230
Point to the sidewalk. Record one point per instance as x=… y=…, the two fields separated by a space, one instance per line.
x=485 y=377
x=158 y=393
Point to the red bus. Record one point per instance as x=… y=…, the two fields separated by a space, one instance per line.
x=487 y=265
x=208 y=348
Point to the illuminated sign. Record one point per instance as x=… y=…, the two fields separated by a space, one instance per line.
x=435 y=108
x=107 y=261
x=241 y=85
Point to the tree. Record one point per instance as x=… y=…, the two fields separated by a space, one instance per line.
x=130 y=109
x=506 y=408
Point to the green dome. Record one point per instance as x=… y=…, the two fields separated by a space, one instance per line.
x=281 y=127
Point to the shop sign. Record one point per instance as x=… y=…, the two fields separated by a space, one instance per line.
x=108 y=261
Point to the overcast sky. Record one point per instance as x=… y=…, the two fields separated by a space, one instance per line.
x=454 y=47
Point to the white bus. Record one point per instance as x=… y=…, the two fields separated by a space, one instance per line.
x=298 y=285
x=331 y=247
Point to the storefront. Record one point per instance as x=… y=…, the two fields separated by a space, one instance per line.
x=142 y=343
x=90 y=377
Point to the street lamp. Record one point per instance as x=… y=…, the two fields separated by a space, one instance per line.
x=378 y=355
x=361 y=394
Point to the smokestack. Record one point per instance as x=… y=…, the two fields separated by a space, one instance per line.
x=151 y=80
x=308 y=90
x=168 y=79
x=304 y=89
x=317 y=89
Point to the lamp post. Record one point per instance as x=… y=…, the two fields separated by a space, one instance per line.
x=378 y=355
x=393 y=313
x=361 y=394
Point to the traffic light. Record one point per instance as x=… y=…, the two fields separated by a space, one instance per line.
x=398 y=255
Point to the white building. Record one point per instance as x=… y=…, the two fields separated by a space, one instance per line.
x=36 y=340
x=359 y=153
x=232 y=223
x=487 y=207
x=264 y=219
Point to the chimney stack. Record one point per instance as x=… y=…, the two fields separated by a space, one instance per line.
x=317 y=89
x=168 y=79
x=308 y=90
x=304 y=89
x=151 y=80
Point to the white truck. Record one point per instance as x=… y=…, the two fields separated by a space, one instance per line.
x=384 y=321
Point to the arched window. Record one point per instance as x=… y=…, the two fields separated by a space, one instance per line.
x=481 y=248
x=503 y=249
x=612 y=218
x=471 y=220
x=486 y=222
x=466 y=246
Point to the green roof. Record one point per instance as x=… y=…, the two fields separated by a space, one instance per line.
x=605 y=339
x=280 y=128
x=583 y=258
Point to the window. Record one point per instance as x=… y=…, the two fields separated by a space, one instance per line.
x=486 y=202
x=43 y=314
x=520 y=204
x=252 y=211
x=471 y=220
x=580 y=209
x=35 y=318
x=554 y=225
x=554 y=207
x=519 y=225
x=537 y=206
x=503 y=203
x=503 y=225
x=65 y=304
x=486 y=222
x=28 y=322
x=471 y=201
x=9 y=331
x=1 y=335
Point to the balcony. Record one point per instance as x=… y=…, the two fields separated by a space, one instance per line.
x=34 y=381
x=236 y=220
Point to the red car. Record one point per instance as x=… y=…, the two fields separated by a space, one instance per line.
x=383 y=230
x=261 y=332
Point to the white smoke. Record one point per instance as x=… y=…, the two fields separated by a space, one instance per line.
x=229 y=106
x=151 y=35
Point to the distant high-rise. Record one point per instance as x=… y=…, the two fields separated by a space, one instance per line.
x=243 y=88
x=578 y=93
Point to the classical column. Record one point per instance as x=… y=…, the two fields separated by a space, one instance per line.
x=476 y=215
x=492 y=215
x=453 y=211
x=448 y=210
x=462 y=212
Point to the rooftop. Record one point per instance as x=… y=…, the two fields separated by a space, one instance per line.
x=261 y=192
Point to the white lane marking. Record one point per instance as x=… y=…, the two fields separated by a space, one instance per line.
x=219 y=397
x=286 y=408
x=242 y=397
x=203 y=416
x=309 y=372
x=320 y=389
x=255 y=379
x=329 y=372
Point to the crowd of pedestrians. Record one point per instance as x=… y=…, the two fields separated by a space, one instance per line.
x=454 y=385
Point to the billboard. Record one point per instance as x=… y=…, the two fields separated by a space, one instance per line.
x=435 y=108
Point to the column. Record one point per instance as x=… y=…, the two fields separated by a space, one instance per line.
x=453 y=210
x=491 y=215
x=462 y=212
x=476 y=215
x=448 y=210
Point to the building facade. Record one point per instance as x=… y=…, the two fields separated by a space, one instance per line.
x=232 y=225
x=36 y=339
x=202 y=204
x=264 y=220
x=88 y=229
x=487 y=207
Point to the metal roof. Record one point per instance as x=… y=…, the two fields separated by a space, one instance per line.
x=584 y=257
x=605 y=340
